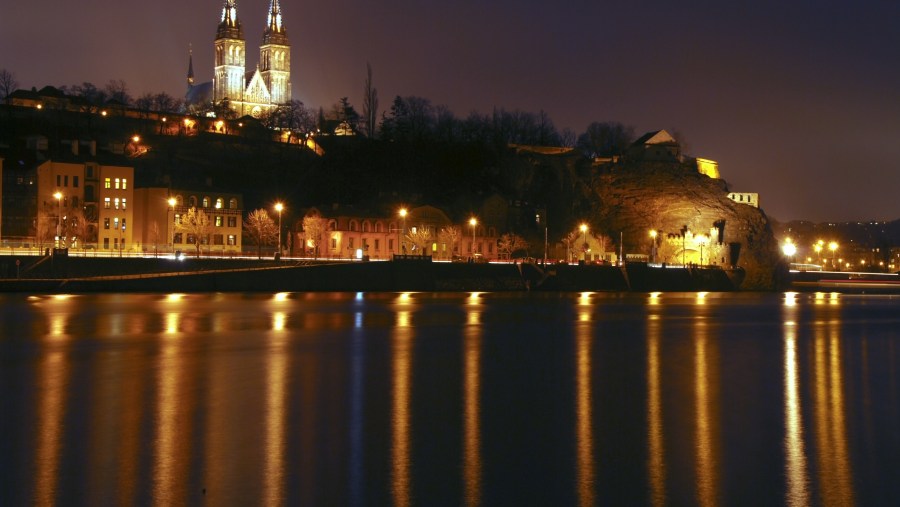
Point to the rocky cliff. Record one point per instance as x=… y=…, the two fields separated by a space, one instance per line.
x=695 y=220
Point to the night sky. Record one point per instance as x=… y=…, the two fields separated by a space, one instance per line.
x=797 y=102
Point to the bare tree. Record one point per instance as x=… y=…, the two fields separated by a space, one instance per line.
x=510 y=243
x=370 y=104
x=261 y=229
x=314 y=229
x=605 y=139
x=421 y=238
x=450 y=235
x=195 y=223
x=8 y=84
x=155 y=237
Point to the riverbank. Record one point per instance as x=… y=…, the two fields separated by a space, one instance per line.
x=78 y=275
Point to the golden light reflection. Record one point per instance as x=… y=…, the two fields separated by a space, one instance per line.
x=54 y=372
x=797 y=493
x=584 y=429
x=168 y=470
x=654 y=298
x=281 y=296
x=656 y=452
x=472 y=409
x=701 y=298
x=400 y=412
x=276 y=413
x=790 y=298
x=174 y=298
x=706 y=438
x=279 y=321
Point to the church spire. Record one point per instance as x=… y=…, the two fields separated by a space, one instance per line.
x=273 y=22
x=190 y=75
x=230 y=25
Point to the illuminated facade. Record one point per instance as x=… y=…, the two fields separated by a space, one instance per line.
x=270 y=83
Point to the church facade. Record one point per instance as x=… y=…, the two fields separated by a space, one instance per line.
x=247 y=92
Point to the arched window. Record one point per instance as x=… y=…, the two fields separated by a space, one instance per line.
x=205 y=201
x=353 y=226
x=179 y=201
x=192 y=201
x=365 y=226
x=220 y=203
x=332 y=225
x=379 y=227
x=232 y=204
x=492 y=232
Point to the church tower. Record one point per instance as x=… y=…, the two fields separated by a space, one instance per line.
x=275 y=56
x=228 y=76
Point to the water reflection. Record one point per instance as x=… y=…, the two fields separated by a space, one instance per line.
x=276 y=410
x=167 y=486
x=706 y=414
x=472 y=402
x=797 y=493
x=656 y=462
x=584 y=429
x=53 y=377
x=835 y=474
x=400 y=412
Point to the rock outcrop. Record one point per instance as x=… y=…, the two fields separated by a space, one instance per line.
x=681 y=204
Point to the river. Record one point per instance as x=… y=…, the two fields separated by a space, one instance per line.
x=450 y=399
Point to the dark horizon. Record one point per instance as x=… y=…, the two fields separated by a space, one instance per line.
x=793 y=103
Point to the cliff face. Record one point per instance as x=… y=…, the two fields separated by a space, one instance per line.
x=633 y=199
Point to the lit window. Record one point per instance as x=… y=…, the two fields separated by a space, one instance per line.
x=116 y=223
x=124 y=184
x=107 y=183
x=220 y=203
x=106 y=202
x=232 y=240
x=123 y=203
x=117 y=203
x=106 y=223
x=218 y=222
x=117 y=182
x=206 y=202
x=232 y=221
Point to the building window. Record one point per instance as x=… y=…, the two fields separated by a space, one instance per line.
x=117 y=202
x=106 y=203
x=232 y=240
x=123 y=203
x=334 y=243
x=353 y=226
x=116 y=223
x=232 y=204
x=106 y=223
x=75 y=181
x=58 y=180
x=377 y=244
x=66 y=180
x=176 y=238
x=391 y=245
x=218 y=239
x=350 y=243
x=365 y=227
x=191 y=239
x=123 y=224
x=205 y=201
x=106 y=242
x=218 y=223
x=219 y=203
x=124 y=184
x=107 y=183
x=118 y=182
x=232 y=221
x=90 y=171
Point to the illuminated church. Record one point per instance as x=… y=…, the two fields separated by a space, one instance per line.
x=246 y=92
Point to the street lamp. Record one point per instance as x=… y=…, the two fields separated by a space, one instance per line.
x=789 y=249
x=818 y=248
x=702 y=240
x=583 y=229
x=279 y=208
x=170 y=225
x=473 y=222
x=833 y=246
x=653 y=235
x=58 y=195
x=402 y=231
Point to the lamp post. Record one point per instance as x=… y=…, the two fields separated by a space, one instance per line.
x=653 y=235
x=583 y=228
x=279 y=208
x=818 y=248
x=833 y=246
x=702 y=240
x=789 y=249
x=170 y=234
x=401 y=231
x=473 y=222
x=58 y=195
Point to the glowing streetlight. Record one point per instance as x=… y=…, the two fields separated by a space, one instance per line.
x=473 y=222
x=402 y=230
x=583 y=228
x=789 y=249
x=701 y=240
x=170 y=222
x=833 y=246
x=58 y=195
x=279 y=208
x=818 y=248
x=653 y=235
